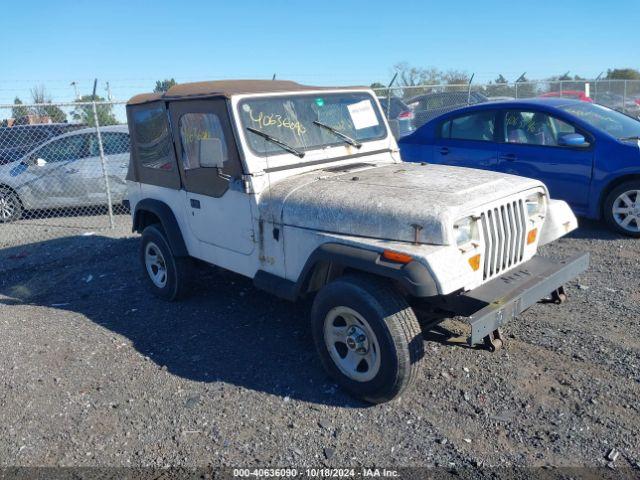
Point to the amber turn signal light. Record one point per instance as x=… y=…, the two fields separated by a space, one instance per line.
x=475 y=262
x=531 y=236
x=397 y=257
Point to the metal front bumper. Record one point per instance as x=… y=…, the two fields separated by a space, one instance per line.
x=493 y=304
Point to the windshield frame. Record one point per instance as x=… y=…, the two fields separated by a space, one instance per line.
x=241 y=100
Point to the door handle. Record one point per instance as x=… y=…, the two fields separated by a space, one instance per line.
x=194 y=203
x=509 y=157
x=444 y=151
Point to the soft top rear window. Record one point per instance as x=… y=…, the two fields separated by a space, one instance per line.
x=290 y=119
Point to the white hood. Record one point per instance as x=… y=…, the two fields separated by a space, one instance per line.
x=384 y=202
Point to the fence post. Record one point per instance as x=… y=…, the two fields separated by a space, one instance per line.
x=624 y=98
x=102 y=160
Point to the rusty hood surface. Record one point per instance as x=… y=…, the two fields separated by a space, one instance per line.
x=384 y=202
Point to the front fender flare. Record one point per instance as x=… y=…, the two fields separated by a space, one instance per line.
x=413 y=277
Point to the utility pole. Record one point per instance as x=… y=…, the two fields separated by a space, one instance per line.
x=75 y=90
x=108 y=89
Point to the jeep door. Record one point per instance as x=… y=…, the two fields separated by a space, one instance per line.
x=217 y=208
x=467 y=140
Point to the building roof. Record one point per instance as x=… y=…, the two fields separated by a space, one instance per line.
x=222 y=88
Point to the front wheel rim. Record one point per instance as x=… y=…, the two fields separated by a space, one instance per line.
x=626 y=211
x=7 y=207
x=352 y=344
x=156 y=265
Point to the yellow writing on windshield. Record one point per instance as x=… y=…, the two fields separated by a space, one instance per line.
x=275 y=120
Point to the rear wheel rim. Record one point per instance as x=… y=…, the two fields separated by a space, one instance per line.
x=156 y=265
x=7 y=207
x=352 y=344
x=626 y=211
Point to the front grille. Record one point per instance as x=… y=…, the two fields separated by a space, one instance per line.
x=504 y=232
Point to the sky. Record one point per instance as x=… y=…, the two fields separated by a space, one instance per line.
x=350 y=42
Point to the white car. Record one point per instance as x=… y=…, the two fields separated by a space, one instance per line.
x=66 y=171
x=302 y=189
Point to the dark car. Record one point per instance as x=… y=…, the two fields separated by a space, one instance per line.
x=586 y=154
x=16 y=141
x=431 y=105
x=396 y=109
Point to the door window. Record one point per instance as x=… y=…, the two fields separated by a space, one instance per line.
x=113 y=143
x=477 y=126
x=195 y=127
x=63 y=150
x=534 y=128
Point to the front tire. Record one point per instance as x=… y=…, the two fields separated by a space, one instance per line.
x=622 y=209
x=167 y=276
x=367 y=336
x=10 y=206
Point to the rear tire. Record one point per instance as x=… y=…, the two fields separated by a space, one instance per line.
x=622 y=209
x=10 y=206
x=367 y=336
x=167 y=276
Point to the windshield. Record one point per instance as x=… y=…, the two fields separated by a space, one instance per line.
x=290 y=119
x=603 y=118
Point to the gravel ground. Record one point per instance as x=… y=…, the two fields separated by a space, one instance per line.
x=96 y=372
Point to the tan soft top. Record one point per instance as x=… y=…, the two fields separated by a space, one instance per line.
x=223 y=88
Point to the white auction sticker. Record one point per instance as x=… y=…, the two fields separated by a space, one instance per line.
x=363 y=115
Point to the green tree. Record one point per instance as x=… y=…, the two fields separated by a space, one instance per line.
x=84 y=113
x=623 y=74
x=164 y=85
x=19 y=111
x=501 y=79
x=39 y=95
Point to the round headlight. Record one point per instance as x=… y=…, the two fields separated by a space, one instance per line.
x=535 y=204
x=464 y=230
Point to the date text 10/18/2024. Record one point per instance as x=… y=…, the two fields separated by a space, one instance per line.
x=316 y=472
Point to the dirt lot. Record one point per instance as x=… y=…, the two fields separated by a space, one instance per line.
x=95 y=371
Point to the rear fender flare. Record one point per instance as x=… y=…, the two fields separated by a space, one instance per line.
x=168 y=221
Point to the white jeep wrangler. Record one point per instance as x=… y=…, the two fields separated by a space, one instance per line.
x=302 y=189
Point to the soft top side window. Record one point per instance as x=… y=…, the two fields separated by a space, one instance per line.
x=153 y=158
x=153 y=141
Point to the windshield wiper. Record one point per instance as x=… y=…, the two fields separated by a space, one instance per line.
x=346 y=138
x=633 y=137
x=280 y=143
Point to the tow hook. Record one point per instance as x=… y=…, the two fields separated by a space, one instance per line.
x=559 y=296
x=493 y=341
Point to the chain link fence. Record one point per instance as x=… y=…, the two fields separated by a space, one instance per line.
x=63 y=165
x=62 y=170
x=413 y=106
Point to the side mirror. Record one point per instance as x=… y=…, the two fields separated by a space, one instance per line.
x=210 y=153
x=35 y=161
x=572 y=140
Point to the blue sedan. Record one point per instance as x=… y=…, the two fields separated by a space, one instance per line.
x=586 y=154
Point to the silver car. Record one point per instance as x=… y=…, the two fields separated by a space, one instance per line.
x=66 y=172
